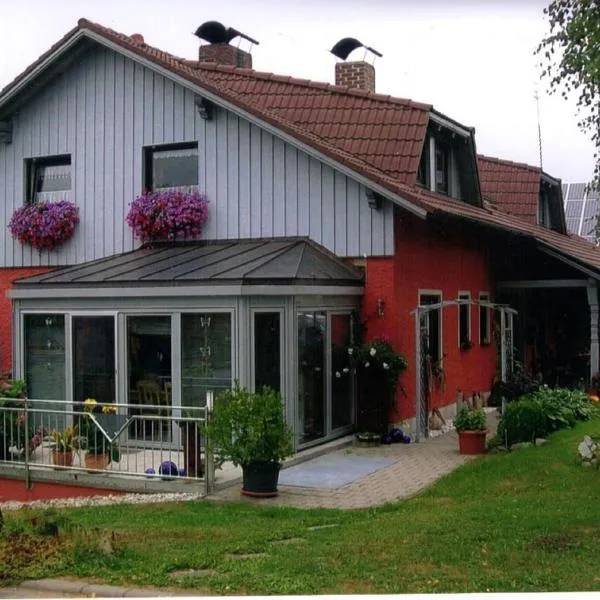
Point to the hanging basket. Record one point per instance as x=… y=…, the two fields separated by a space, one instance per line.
x=44 y=225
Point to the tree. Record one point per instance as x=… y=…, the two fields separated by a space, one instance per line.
x=571 y=60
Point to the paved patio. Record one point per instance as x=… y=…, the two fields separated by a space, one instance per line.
x=414 y=467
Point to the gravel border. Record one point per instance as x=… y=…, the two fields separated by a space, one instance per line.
x=108 y=500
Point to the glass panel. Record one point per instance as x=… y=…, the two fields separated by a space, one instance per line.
x=312 y=329
x=464 y=312
x=484 y=320
x=431 y=324
x=341 y=381
x=174 y=168
x=267 y=351
x=149 y=374
x=205 y=356
x=53 y=178
x=45 y=365
x=93 y=358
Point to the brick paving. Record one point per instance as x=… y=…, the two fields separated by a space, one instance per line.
x=415 y=467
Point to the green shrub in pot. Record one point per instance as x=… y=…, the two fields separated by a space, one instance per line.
x=249 y=429
x=470 y=420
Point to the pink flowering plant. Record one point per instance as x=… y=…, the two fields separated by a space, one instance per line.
x=168 y=215
x=44 y=224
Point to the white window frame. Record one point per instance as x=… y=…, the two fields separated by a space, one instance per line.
x=430 y=292
x=465 y=295
x=485 y=297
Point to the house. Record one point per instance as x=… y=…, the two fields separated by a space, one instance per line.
x=556 y=302
x=323 y=199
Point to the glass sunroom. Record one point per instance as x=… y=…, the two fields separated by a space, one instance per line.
x=164 y=325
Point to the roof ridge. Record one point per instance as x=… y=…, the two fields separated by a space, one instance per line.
x=299 y=81
x=512 y=163
x=83 y=23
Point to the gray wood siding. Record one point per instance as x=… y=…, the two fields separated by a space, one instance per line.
x=106 y=108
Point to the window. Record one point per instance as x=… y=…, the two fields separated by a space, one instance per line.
x=431 y=325
x=484 y=319
x=423 y=177
x=441 y=167
x=173 y=166
x=49 y=178
x=464 y=321
x=544 y=209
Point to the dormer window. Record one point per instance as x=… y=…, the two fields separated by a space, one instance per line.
x=423 y=171
x=442 y=155
x=543 y=217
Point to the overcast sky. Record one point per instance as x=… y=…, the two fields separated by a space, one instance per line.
x=473 y=60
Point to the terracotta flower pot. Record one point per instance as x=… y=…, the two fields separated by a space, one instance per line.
x=472 y=442
x=97 y=461
x=63 y=459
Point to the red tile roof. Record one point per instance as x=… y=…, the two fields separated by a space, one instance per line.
x=513 y=187
x=377 y=136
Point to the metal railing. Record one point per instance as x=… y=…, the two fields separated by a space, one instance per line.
x=121 y=446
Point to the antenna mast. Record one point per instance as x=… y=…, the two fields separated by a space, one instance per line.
x=539 y=125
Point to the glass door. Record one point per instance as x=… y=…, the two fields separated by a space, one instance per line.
x=93 y=358
x=266 y=356
x=149 y=376
x=312 y=399
x=342 y=380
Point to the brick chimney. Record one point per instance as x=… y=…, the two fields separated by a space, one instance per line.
x=358 y=75
x=224 y=54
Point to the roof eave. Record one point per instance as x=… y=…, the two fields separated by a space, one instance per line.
x=24 y=79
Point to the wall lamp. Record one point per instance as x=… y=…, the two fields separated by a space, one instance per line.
x=380 y=306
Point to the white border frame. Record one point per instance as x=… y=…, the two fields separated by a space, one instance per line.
x=434 y=292
x=465 y=295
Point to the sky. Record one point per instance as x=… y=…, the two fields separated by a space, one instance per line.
x=472 y=59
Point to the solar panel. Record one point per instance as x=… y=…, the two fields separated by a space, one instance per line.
x=581 y=209
x=573 y=209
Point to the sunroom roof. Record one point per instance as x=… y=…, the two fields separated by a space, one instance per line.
x=284 y=261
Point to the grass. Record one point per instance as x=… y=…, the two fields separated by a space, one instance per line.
x=519 y=522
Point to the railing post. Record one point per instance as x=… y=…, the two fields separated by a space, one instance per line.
x=209 y=471
x=26 y=445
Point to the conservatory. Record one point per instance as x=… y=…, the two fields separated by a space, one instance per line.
x=162 y=326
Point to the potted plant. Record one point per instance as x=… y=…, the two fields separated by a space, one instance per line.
x=249 y=429
x=14 y=423
x=100 y=451
x=65 y=443
x=472 y=429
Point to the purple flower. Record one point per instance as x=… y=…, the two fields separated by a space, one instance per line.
x=168 y=215
x=44 y=224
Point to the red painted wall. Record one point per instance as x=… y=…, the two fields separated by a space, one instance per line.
x=13 y=490
x=450 y=258
x=7 y=276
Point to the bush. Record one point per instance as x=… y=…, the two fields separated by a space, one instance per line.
x=523 y=421
x=545 y=411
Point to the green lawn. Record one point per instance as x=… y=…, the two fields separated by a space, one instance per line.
x=525 y=521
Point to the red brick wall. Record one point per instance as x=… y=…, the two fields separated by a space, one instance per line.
x=13 y=490
x=357 y=75
x=7 y=276
x=429 y=256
